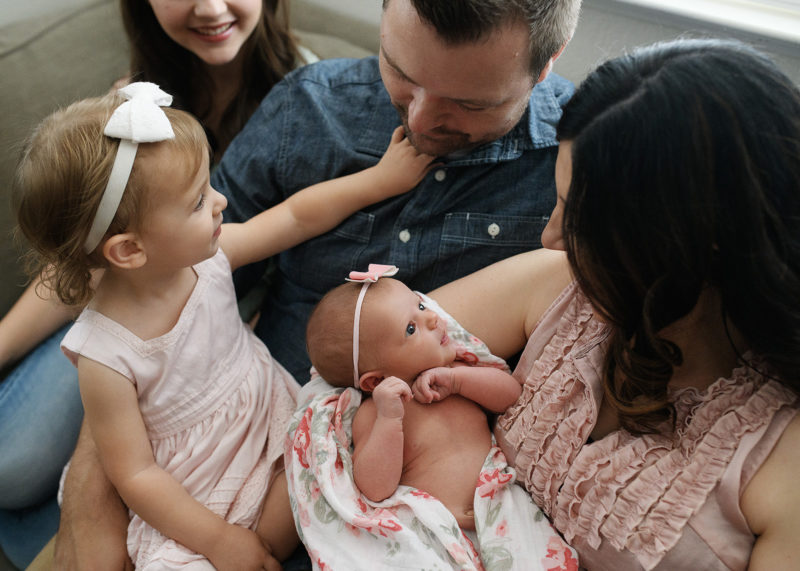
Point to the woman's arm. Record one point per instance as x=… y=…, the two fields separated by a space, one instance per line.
x=321 y=207
x=31 y=320
x=771 y=505
x=502 y=303
x=111 y=409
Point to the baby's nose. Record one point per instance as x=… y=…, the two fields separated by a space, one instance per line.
x=432 y=319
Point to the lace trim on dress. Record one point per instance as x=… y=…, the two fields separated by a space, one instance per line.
x=638 y=493
x=553 y=417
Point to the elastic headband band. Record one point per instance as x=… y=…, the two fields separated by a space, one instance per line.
x=140 y=119
x=356 y=320
x=372 y=275
x=112 y=195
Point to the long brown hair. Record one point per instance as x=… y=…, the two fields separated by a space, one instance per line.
x=269 y=53
x=685 y=176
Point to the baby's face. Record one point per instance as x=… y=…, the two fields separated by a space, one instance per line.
x=405 y=338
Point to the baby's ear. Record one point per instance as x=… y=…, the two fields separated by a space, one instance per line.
x=124 y=251
x=369 y=381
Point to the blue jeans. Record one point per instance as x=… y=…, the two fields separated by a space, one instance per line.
x=40 y=416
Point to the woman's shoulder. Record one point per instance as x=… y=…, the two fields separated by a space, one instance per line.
x=771 y=503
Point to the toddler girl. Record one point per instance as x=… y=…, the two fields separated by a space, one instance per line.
x=186 y=406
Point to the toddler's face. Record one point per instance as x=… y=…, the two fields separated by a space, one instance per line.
x=183 y=225
x=404 y=337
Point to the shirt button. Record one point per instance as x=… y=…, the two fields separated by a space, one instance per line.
x=404 y=236
x=493 y=229
x=440 y=175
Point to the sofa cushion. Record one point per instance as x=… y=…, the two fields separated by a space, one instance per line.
x=46 y=63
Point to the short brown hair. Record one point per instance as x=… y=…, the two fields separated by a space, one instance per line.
x=329 y=335
x=551 y=23
x=60 y=180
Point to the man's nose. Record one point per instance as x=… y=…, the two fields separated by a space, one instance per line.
x=425 y=112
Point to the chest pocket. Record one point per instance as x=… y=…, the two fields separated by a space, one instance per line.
x=471 y=241
x=323 y=262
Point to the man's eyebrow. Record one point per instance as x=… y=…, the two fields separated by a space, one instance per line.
x=394 y=66
x=473 y=102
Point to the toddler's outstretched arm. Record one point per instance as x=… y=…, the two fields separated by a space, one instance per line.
x=321 y=207
x=112 y=412
x=493 y=389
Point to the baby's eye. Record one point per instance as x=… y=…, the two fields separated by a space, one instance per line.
x=421 y=306
x=411 y=328
x=201 y=202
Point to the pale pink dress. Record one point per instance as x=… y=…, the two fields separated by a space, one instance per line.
x=627 y=502
x=215 y=403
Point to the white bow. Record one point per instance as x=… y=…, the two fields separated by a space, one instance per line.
x=140 y=119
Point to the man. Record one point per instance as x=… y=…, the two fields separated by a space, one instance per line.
x=461 y=76
x=470 y=82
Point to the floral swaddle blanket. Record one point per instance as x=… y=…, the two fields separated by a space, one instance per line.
x=411 y=529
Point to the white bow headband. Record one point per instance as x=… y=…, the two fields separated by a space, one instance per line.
x=137 y=120
x=372 y=275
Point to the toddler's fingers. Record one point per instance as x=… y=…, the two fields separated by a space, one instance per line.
x=398 y=134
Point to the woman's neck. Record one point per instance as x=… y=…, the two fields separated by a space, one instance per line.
x=704 y=343
x=226 y=82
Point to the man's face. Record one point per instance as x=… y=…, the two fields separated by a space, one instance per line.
x=453 y=98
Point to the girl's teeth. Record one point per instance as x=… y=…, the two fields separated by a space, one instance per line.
x=214 y=31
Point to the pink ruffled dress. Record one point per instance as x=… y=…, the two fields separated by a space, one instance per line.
x=630 y=502
x=215 y=404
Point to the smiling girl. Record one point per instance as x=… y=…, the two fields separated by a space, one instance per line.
x=218 y=58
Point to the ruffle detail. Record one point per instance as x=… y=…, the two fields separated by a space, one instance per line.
x=638 y=493
x=555 y=413
x=635 y=493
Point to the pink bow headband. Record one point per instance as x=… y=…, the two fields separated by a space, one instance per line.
x=372 y=275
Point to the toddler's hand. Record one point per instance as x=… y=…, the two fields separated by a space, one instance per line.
x=402 y=166
x=240 y=548
x=389 y=396
x=434 y=385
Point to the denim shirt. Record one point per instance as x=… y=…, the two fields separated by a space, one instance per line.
x=334 y=118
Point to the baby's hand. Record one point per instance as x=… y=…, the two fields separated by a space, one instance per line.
x=389 y=396
x=402 y=166
x=434 y=385
x=240 y=548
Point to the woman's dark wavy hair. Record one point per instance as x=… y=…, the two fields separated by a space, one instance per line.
x=269 y=54
x=685 y=175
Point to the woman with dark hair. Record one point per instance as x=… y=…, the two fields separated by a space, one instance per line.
x=218 y=58
x=658 y=423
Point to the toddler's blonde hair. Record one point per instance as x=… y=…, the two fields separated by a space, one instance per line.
x=60 y=179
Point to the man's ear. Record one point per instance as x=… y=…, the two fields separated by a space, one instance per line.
x=549 y=67
x=369 y=381
x=125 y=251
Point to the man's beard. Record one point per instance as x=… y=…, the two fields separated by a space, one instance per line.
x=443 y=144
